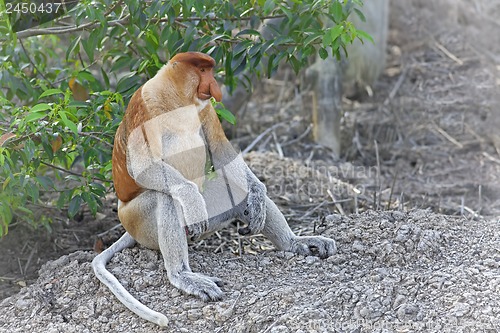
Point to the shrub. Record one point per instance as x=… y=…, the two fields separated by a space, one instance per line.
x=65 y=84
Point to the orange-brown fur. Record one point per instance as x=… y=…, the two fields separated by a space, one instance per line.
x=164 y=96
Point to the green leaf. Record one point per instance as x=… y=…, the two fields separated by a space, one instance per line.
x=327 y=38
x=74 y=205
x=126 y=83
x=236 y=63
x=91 y=202
x=336 y=32
x=251 y=32
x=85 y=75
x=323 y=53
x=121 y=62
x=295 y=64
x=227 y=115
x=254 y=49
x=363 y=35
x=90 y=44
x=50 y=92
x=105 y=78
x=360 y=15
x=270 y=65
x=45 y=181
x=98 y=188
x=311 y=39
x=68 y=123
x=5 y=217
x=74 y=46
x=241 y=47
x=32 y=191
x=336 y=11
x=40 y=107
x=34 y=116
x=78 y=104
x=268 y=6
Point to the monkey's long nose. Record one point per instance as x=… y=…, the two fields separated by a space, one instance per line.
x=215 y=91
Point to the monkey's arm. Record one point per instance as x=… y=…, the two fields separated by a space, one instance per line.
x=146 y=166
x=247 y=190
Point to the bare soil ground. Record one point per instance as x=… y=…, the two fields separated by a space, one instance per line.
x=415 y=211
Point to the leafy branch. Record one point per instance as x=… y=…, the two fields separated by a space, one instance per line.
x=63 y=93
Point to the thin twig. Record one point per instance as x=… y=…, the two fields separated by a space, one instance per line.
x=271 y=326
x=94 y=24
x=336 y=202
x=491 y=158
x=30 y=257
x=240 y=247
x=112 y=8
x=67 y=171
x=396 y=87
x=448 y=53
x=392 y=190
x=20 y=266
x=447 y=136
x=96 y=138
x=109 y=230
x=60 y=31
x=377 y=203
x=33 y=64
x=278 y=146
x=308 y=213
x=262 y=135
x=300 y=137
x=283 y=87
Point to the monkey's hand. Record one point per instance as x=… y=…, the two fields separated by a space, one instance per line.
x=254 y=212
x=312 y=246
x=193 y=207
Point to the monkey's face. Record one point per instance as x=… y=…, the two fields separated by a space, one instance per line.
x=208 y=87
x=194 y=76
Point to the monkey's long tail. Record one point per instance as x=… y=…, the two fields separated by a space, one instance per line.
x=99 y=266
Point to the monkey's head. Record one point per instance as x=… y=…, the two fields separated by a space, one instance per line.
x=194 y=75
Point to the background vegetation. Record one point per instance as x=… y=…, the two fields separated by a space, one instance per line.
x=65 y=83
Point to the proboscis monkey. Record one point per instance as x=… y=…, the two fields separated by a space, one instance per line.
x=170 y=135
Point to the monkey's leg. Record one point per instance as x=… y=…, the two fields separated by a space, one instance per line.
x=99 y=266
x=174 y=248
x=277 y=231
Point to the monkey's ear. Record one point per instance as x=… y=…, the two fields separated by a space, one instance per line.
x=196 y=59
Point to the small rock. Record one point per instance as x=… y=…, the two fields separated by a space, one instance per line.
x=460 y=309
x=334 y=218
x=194 y=314
x=23 y=304
x=311 y=260
x=399 y=300
x=407 y=312
x=358 y=246
x=280 y=329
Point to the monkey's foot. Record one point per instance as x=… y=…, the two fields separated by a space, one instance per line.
x=313 y=246
x=205 y=287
